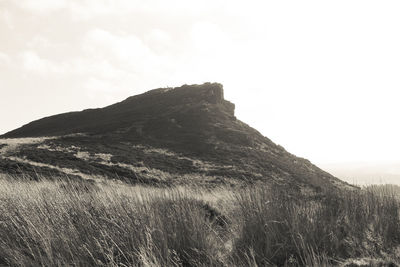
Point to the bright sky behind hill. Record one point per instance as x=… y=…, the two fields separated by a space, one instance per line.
x=321 y=78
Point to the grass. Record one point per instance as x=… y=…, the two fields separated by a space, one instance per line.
x=59 y=223
x=340 y=225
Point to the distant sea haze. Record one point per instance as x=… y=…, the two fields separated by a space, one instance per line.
x=365 y=173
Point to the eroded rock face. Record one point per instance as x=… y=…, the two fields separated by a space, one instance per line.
x=211 y=93
x=214 y=93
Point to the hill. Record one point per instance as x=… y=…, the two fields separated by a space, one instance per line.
x=182 y=135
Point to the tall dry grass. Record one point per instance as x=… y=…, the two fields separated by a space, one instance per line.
x=278 y=229
x=59 y=223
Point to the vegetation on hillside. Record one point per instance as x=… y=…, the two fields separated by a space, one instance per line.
x=194 y=124
x=80 y=223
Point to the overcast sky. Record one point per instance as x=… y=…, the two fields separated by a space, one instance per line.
x=321 y=78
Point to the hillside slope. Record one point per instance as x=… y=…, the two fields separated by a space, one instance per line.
x=178 y=135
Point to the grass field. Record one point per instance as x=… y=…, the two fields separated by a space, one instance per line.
x=72 y=223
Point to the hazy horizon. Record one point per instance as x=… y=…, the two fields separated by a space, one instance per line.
x=320 y=79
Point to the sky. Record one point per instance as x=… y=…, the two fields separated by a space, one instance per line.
x=320 y=78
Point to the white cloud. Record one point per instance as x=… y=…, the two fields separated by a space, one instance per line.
x=159 y=40
x=100 y=68
x=39 y=41
x=208 y=38
x=4 y=59
x=32 y=62
x=94 y=86
x=82 y=9
x=7 y=18
x=42 y=6
x=127 y=50
x=89 y=9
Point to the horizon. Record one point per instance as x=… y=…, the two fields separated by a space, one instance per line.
x=324 y=88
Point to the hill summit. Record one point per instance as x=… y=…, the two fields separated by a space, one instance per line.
x=187 y=134
x=139 y=114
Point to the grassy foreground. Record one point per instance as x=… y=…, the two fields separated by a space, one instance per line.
x=56 y=223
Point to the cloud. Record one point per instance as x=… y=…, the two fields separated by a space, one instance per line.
x=81 y=9
x=94 y=86
x=126 y=50
x=39 y=41
x=208 y=37
x=7 y=18
x=42 y=6
x=4 y=59
x=105 y=63
x=90 y=9
x=32 y=62
x=159 y=40
x=99 y=68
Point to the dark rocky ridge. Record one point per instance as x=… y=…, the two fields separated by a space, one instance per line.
x=196 y=127
x=132 y=114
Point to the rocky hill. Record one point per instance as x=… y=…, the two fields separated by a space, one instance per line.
x=166 y=136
